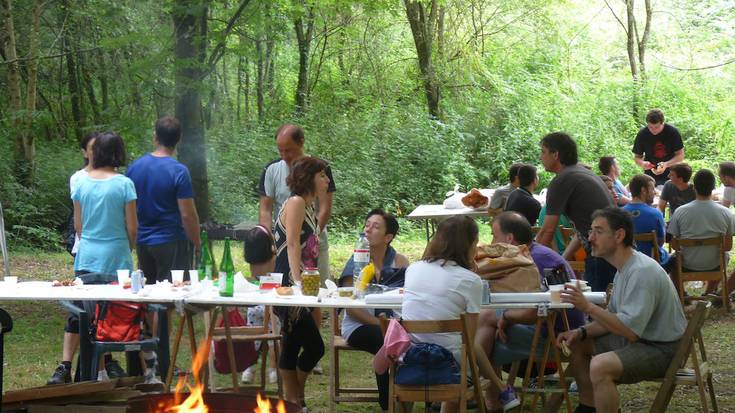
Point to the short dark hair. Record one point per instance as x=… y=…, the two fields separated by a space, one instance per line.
x=526 y=175
x=564 y=145
x=605 y=164
x=727 y=169
x=168 y=131
x=108 y=150
x=452 y=241
x=295 y=132
x=513 y=171
x=301 y=179
x=617 y=218
x=511 y=222
x=259 y=245
x=655 y=116
x=85 y=141
x=704 y=182
x=391 y=223
x=683 y=170
x=638 y=182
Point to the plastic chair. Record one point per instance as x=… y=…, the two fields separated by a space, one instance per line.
x=401 y=394
x=339 y=394
x=91 y=350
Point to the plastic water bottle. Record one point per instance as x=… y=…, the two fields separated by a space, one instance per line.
x=361 y=258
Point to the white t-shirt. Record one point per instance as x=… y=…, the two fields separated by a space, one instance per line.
x=73 y=183
x=434 y=291
x=728 y=194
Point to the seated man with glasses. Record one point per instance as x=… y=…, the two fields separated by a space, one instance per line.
x=636 y=337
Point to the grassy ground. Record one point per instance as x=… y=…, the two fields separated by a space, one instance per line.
x=33 y=348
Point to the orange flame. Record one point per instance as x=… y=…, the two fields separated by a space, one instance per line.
x=264 y=406
x=195 y=402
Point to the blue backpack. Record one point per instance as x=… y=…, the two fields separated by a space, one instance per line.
x=427 y=364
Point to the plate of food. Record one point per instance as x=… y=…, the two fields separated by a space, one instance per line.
x=475 y=200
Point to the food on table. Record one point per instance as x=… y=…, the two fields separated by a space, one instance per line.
x=346 y=292
x=366 y=276
x=475 y=199
x=63 y=283
x=284 y=291
x=310 y=281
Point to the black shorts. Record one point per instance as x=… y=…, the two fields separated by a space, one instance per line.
x=157 y=261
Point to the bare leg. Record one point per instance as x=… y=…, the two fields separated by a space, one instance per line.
x=580 y=367
x=301 y=377
x=605 y=368
x=70 y=346
x=291 y=386
x=484 y=342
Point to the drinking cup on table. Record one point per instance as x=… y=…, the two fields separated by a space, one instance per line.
x=194 y=278
x=11 y=280
x=555 y=292
x=177 y=277
x=123 y=277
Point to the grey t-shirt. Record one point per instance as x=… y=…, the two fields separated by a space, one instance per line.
x=698 y=220
x=645 y=300
x=500 y=196
x=577 y=192
x=676 y=198
x=273 y=184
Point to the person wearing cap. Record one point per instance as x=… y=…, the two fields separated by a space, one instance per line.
x=361 y=327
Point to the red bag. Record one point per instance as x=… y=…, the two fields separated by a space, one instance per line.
x=245 y=353
x=118 y=321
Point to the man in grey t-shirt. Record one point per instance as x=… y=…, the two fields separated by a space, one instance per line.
x=702 y=218
x=636 y=337
x=500 y=195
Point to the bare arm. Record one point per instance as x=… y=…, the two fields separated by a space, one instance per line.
x=131 y=223
x=546 y=232
x=266 y=212
x=325 y=210
x=400 y=261
x=678 y=157
x=662 y=205
x=190 y=221
x=78 y=219
x=360 y=315
x=572 y=248
x=605 y=320
x=643 y=164
x=294 y=213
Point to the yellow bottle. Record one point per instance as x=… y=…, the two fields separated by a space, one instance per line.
x=366 y=276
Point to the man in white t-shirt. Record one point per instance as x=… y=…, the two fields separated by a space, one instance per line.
x=727 y=178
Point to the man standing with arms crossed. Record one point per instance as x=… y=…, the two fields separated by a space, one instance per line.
x=274 y=192
x=168 y=223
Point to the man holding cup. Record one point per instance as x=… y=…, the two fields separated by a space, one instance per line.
x=635 y=338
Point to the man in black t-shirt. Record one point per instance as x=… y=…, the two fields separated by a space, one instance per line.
x=521 y=200
x=657 y=146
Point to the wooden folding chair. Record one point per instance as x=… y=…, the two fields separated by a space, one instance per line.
x=720 y=274
x=700 y=375
x=649 y=237
x=337 y=393
x=401 y=394
x=577 y=266
x=266 y=334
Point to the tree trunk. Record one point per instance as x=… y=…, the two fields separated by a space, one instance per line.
x=89 y=86
x=422 y=28
x=102 y=74
x=28 y=133
x=304 y=36
x=73 y=80
x=644 y=39
x=631 y=34
x=260 y=83
x=21 y=168
x=189 y=18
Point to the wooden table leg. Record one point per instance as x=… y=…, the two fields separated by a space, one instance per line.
x=230 y=349
x=175 y=353
x=557 y=356
x=541 y=367
x=531 y=358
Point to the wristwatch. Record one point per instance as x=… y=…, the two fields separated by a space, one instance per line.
x=583 y=331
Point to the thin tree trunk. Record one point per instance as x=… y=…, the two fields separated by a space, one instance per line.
x=422 y=27
x=260 y=84
x=29 y=136
x=91 y=96
x=102 y=75
x=644 y=39
x=189 y=18
x=20 y=167
x=631 y=33
x=247 y=88
x=304 y=27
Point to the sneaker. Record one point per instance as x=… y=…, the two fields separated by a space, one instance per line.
x=114 y=370
x=61 y=375
x=573 y=387
x=272 y=376
x=247 y=375
x=151 y=378
x=318 y=369
x=508 y=399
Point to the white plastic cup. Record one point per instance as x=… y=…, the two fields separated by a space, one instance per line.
x=194 y=278
x=11 y=280
x=555 y=293
x=177 y=277
x=123 y=276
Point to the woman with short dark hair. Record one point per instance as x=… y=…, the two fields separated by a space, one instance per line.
x=297 y=247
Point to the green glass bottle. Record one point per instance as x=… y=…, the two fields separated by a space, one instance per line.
x=226 y=273
x=207 y=266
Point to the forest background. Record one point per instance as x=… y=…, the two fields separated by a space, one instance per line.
x=403 y=98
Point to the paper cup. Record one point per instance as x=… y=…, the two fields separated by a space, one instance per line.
x=123 y=277
x=177 y=277
x=555 y=292
x=194 y=277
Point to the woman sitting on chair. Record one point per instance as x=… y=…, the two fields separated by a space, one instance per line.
x=361 y=327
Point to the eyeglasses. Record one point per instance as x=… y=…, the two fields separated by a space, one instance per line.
x=598 y=231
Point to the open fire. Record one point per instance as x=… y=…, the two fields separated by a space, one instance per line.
x=193 y=399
